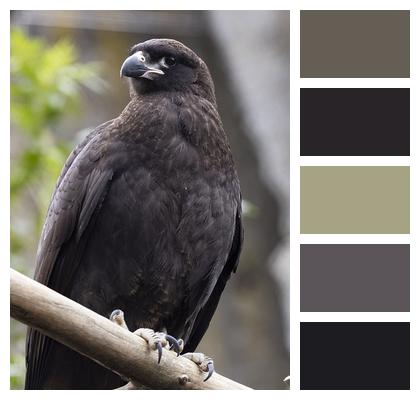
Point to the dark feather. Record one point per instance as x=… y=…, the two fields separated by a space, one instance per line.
x=206 y=313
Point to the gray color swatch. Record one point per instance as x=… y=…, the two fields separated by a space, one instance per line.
x=355 y=278
x=355 y=44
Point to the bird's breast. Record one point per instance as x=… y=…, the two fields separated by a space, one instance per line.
x=155 y=229
x=165 y=224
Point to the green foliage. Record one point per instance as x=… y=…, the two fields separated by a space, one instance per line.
x=17 y=357
x=45 y=85
x=45 y=89
x=17 y=371
x=45 y=81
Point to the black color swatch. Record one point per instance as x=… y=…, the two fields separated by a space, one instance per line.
x=355 y=355
x=355 y=122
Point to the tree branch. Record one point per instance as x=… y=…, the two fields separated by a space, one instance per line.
x=103 y=341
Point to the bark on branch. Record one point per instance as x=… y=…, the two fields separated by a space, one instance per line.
x=103 y=341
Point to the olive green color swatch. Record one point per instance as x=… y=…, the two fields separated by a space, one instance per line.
x=359 y=199
x=355 y=44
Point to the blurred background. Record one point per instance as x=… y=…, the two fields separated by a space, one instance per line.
x=65 y=80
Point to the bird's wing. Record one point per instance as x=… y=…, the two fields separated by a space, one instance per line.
x=80 y=190
x=98 y=130
x=205 y=315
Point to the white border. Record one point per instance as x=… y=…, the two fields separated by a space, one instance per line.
x=295 y=83
x=294 y=199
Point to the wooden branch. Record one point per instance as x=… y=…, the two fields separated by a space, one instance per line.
x=104 y=341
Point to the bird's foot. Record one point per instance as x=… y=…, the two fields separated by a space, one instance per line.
x=159 y=340
x=205 y=363
x=155 y=340
x=117 y=316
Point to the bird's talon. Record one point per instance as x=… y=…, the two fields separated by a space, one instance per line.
x=117 y=316
x=205 y=363
x=173 y=344
x=159 y=340
x=210 y=369
x=181 y=345
x=158 y=345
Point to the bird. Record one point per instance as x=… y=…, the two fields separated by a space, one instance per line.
x=145 y=222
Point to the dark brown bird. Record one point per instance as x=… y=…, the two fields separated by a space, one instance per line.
x=145 y=217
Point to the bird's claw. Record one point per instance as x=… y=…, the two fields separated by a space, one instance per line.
x=117 y=316
x=159 y=340
x=177 y=345
x=158 y=346
x=210 y=369
x=205 y=363
x=155 y=340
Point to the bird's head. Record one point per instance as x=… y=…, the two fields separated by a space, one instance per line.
x=166 y=65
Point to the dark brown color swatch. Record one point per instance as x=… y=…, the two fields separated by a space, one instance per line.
x=355 y=122
x=355 y=355
x=355 y=277
x=355 y=44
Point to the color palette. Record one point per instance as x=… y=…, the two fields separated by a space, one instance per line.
x=355 y=277
x=355 y=355
x=355 y=122
x=355 y=44
x=354 y=200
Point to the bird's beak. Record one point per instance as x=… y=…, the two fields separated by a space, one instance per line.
x=136 y=66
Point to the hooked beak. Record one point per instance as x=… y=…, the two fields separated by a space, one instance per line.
x=136 y=66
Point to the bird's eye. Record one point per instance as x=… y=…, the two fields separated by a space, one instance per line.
x=169 y=61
